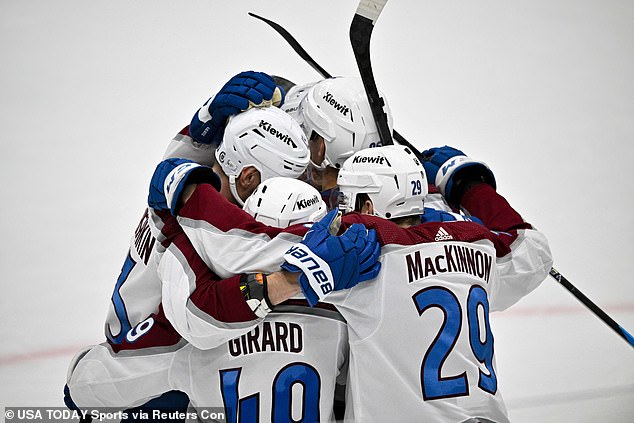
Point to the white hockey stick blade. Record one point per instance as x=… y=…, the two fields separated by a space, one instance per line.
x=371 y=9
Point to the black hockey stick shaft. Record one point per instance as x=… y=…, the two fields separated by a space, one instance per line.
x=360 y=34
x=401 y=140
x=308 y=58
x=295 y=44
x=592 y=306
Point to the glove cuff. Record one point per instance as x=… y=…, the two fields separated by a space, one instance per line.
x=308 y=292
x=316 y=275
x=183 y=174
x=202 y=129
x=457 y=173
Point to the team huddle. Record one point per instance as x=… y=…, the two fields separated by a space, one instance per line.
x=291 y=268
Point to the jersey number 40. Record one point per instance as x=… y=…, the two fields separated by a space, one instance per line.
x=247 y=410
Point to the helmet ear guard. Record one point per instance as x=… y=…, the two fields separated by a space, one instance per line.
x=391 y=176
x=356 y=183
x=293 y=98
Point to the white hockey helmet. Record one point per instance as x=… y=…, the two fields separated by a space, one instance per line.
x=339 y=111
x=282 y=202
x=294 y=97
x=391 y=176
x=268 y=139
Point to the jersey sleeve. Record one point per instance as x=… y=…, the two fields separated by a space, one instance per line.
x=99 y=379
x=213 y=239
x=229 y=240
x=204 y=309
x=523 y=254
x=184 y=147
x=130 y=372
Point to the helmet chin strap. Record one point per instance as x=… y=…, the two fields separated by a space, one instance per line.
x=321 y=166
x=234 y=190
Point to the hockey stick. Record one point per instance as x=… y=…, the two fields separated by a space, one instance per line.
x=399 y=138
x=592 y=306
x=295 y=44
x=304 y=55
x=361 y=27
x=363 y=22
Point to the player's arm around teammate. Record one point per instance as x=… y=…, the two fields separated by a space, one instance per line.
x=423 y=325
x=197 y=306
x=97 y=375
x=524 y=256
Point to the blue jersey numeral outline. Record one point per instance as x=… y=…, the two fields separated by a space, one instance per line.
x=119 y=305
x=246 y=410
x=433 y=386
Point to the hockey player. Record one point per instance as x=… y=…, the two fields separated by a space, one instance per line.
x=258 y=144
x=294 y=346
x=336 y=117
x=444 y=279
x=138 y=290
x=440 y=281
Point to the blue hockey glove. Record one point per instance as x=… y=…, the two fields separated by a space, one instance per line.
x=171 y=176
x=330 y=263
x=452 y=171
x=243 y=91
x=434 y=215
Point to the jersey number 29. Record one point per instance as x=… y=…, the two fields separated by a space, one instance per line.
x=434 y=386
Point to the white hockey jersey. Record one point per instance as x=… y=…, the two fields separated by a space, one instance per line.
x=420 y=340
x=225 y=245
x=284 y=369
x=137 y=292
x=420 y=335
x=280 y=367
x=229 y=241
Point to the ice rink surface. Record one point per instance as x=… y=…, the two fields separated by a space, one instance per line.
x=541 y=90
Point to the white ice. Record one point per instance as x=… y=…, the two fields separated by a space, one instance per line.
x=542 y=90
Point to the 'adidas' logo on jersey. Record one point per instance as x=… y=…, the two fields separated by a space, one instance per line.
x=442 y=235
